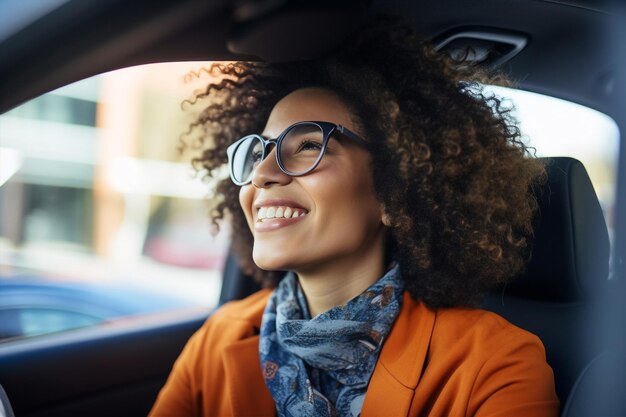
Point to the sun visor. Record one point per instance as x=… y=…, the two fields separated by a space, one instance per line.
x=292 y=34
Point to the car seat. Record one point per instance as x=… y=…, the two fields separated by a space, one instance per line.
x=555 y=298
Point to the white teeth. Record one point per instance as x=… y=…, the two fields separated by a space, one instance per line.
x=279 y=212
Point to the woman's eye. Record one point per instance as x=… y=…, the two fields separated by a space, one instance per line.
x=309 y=145
x=256 y=156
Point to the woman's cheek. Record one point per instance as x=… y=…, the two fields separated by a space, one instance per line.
x=246 y=197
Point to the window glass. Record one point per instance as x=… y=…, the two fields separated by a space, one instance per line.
x=97 y=202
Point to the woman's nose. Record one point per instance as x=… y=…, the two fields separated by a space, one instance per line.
x=268 y=173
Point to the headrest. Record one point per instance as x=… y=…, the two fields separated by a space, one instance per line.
x=570 y=251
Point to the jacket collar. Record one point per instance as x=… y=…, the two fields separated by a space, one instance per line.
x=243 y=378
x=401 y=361
x=250 y=396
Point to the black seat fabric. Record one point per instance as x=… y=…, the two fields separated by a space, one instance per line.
x=599 y=391
x=236 y=285
x=554 y=297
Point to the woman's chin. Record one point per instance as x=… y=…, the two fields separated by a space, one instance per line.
x=271 y=262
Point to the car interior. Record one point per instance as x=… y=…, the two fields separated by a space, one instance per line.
x=571 y=293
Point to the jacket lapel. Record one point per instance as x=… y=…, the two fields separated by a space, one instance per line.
x=244 y=379
x=401 y=362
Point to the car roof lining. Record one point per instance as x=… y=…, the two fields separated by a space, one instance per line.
x=568 y=55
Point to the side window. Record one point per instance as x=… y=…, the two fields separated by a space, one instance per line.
x=557 y=127
x=101 y=215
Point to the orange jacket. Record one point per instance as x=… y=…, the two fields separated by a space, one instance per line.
x=450 y=362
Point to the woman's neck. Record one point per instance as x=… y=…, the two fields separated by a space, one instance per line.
x=338 y=282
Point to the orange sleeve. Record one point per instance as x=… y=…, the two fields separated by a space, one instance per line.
x=198 y=384
x=516 y=381
x=181 y=396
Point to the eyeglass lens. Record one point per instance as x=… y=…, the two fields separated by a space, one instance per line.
x=299 y=151
x=246 y=157
x=301 y=147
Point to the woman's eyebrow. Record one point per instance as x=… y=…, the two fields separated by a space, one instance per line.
x=266 y=135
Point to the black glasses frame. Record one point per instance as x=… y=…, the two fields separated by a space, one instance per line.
x=327 y=129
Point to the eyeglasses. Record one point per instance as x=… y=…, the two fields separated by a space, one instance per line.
x=299 y=149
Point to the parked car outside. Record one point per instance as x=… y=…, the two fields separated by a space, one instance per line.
x=34 y=306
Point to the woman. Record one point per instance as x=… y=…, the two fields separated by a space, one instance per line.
x=396 y=194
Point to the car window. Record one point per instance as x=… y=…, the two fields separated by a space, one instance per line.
x=102 y=216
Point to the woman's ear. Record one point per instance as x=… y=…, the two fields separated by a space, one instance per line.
x=386 y=219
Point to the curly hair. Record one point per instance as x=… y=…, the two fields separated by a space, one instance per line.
x=448 y=162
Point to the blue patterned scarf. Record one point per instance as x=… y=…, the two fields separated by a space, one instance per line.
x=321 y=367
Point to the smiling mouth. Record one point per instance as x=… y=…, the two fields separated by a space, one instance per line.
x=279 y=212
